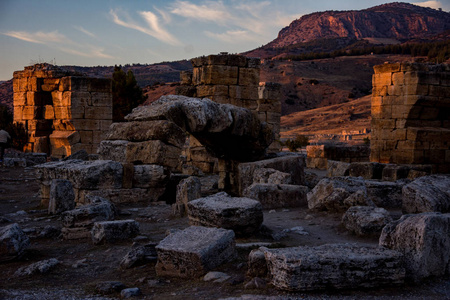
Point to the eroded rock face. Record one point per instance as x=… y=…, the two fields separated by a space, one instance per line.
x=338 y=194
x=13 y=241
x=225 y=130
x=424 y=239
x=427 y=194
x=366 y=220
x=243 y=215
x=337 y=266
x=194 y=251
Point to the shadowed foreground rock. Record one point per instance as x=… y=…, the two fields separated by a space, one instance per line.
x=274 y=196
x=113 y=231
x=242 y=215
x=366 y=220
x=227 y=131
x=336 y=266
x=13 y=241
x=194 y=251
x=424 y=239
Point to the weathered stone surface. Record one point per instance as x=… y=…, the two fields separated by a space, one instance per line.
x=130 y=292
x=242 y=215
x=384 y=193
x=85 y=216
x=146 y=176
x=393 y=172
x=62 y=196
x=367 y=170
x=337 y=168
x=187 y=190
x=113 y=150
x=112 y=231
x=162 y=130
x=13 y=241
x=139 y=255
x=81 y=154
x=311 y=179
x=337 y=266
x=194 y=251
x=225 y=130
x=257 y=266
x=272 y=176
x=129 y=195
x=424 y=240
x=291 y=164
x=277 y=195
x=427 y=194
x=337 y=194
x=366 y=220
x=40 y=267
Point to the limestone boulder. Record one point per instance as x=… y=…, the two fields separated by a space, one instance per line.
x=338 y=194
x=194 y=251
x=113 y=231
x=225 y=130
x=427 y=194
x=139 y=255
x=40 y=267
x=424 y=240
x=337 y=168
x=273 y=196
x=162 y=130
x=272 y=176
x=366 y=220
x=242 y=215
x=311 y=179
x=62 y=196
x=336 y=266
x=13 y=241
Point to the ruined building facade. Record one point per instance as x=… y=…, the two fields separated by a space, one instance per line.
x=411 y=115
x=61 y=112
x=230 y=79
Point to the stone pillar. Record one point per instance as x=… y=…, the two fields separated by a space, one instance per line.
x=62 y=112
x=411 y=115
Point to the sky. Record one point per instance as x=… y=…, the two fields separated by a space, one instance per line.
x=110 y=32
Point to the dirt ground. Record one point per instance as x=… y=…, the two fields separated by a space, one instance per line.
x=83 y=264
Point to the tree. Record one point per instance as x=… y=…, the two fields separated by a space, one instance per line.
x=126 y=93
x=299 y=142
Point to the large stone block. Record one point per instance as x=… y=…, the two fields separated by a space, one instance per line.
x=147 y=176
x=367 y=170
x=427 y=194
x=113 y=231
x=62 y=196
x=337 y=168
x=194 y=251
x=366 y=220
x=336 y=266
x=153 y=152
x=113 y=150
x=188 y=189
x=123 y=195
x=272 y=176
x=424 y=240
x=277 y=195
x=291 y=164
x=99 y=209
x=13 y=241
x=219 y=74
x=385 y=194
x=243 y=215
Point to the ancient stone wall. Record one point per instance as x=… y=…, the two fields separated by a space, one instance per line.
x=411 y=115
x=318 y=155
x=230 y=79
x=62 y=112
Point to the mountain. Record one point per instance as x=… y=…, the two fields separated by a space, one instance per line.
x=333 y=30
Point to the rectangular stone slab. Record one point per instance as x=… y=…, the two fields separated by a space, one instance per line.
x=194 y=251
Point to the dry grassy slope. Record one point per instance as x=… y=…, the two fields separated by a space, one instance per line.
x=333 y=119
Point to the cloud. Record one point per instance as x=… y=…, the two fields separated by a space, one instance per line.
x=432 y=4
x=232 y=36
x=86 y=32
x=213 y=11
x=94 y=52
x=39 y=37
x=154 y=28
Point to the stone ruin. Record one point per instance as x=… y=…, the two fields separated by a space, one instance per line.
x=411 y=115
x=62 y=112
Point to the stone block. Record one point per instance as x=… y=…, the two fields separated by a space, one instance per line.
x=153 y=152
x=242 y=215
x=424 y=240
x=82 y=124
x=273 y=196
x=31 y=112
x=219 y=74
x=132 y=195
x=367 y=170
x=103 y=85
x=13 y=241
x=98 y=112
x=74 y=83
x=194 y=251
x=272 y=176
x=392 y=172
x=48 y=112
x=366 y=220
x=113 y=231
x=76 y=233
x=113 y=150
x=337 y=168
x=337 y=194
x=188 y=189
x=385 y=194
x=387 y=68
x=317 y=163
x=257 y=266
x=85 y=216
x=149 y=176
x=186 y=77
x=338 y=266
x=427 y=194
x=101 y=99
x=62 y=196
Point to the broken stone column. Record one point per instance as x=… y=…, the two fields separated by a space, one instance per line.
x=61 y=111
x=411 y=115
x=187 y=190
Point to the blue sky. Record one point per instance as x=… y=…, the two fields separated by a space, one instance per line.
x=108 y=32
